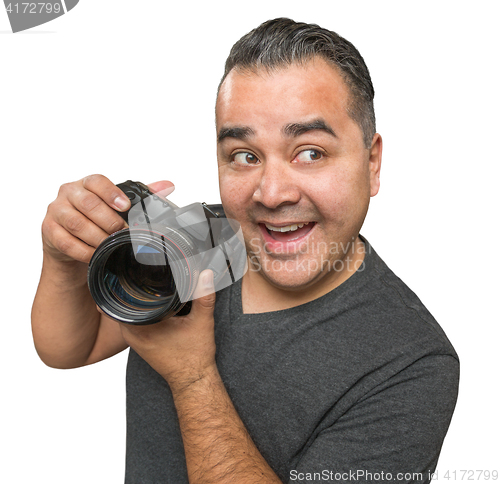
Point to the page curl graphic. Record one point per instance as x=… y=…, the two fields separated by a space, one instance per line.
x=26 y=15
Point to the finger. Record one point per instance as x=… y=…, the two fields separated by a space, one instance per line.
x=204 y=294
x=107 y=191
x=58 y=238
x=94 y=206
x=162 y=188
x=79 y=226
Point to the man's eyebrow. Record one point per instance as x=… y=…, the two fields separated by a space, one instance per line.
x=296 y=129
x=238 y=132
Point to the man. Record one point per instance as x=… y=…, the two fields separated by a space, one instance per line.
x=320 y=363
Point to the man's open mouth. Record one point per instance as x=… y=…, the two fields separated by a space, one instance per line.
x=288 y=233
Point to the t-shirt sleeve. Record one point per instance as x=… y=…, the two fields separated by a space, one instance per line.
x=394 y=433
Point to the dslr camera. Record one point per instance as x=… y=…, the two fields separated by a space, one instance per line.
x=149 y=271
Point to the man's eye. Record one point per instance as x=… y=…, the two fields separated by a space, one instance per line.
x=308 y=156
x=245 y=159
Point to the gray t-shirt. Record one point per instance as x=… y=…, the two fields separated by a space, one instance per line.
x=357 y=385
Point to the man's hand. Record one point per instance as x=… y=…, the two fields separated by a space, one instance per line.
x=67 y=329
x=84 y=214
x=181 y=348
x=81 y=217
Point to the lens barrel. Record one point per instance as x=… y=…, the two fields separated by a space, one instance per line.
x=141 y=276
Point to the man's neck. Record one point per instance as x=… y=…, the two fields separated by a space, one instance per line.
x=259 y=295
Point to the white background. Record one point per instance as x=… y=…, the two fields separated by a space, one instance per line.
x=127 y=89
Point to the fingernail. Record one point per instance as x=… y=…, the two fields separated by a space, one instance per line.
x=207 y=279
x=121 y=203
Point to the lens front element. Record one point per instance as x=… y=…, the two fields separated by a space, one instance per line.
x=132 y=275
x=142 y=280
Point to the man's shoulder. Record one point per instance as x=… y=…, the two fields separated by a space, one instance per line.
x=395 y=309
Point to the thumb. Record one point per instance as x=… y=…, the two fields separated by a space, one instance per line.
x=204 y=293
x=162 y=188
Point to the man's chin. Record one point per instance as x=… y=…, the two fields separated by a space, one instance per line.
x=287 y=274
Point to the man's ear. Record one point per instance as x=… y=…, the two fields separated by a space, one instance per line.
x=375 y=162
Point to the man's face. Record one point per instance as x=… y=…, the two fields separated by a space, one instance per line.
x=294 y=171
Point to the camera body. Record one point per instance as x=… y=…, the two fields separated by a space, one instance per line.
x=149 y=271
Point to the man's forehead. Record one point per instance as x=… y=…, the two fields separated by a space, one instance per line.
x=311 y=87
x=304 y=68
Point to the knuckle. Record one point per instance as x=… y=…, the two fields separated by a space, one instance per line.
x=92 y=181
x=51 y=209
x=57 y=210
x=47 y=226
x=64 y=245
x=74 y=223
x=64 y=188
x=115 y=225
x=208 y=302
x=70 y=247
x=68 y=191
x=89 y=202
x=91 y=178
x=47 y=231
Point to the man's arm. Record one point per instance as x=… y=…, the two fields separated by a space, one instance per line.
x=68 y=330
x=217 y=445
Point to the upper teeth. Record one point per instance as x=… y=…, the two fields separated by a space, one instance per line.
x=287 y=228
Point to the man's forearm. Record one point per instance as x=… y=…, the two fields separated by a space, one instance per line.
x=217 y=445
x=182 y=350
x=65 y=321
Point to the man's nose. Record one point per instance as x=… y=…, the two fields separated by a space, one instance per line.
x=277 y=185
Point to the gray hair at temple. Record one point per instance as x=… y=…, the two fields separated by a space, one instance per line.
x=281 y=42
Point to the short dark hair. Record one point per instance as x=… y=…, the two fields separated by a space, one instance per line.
x=281 y=42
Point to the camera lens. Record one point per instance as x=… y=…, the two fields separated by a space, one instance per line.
x=139 y=280
x=140 y=276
